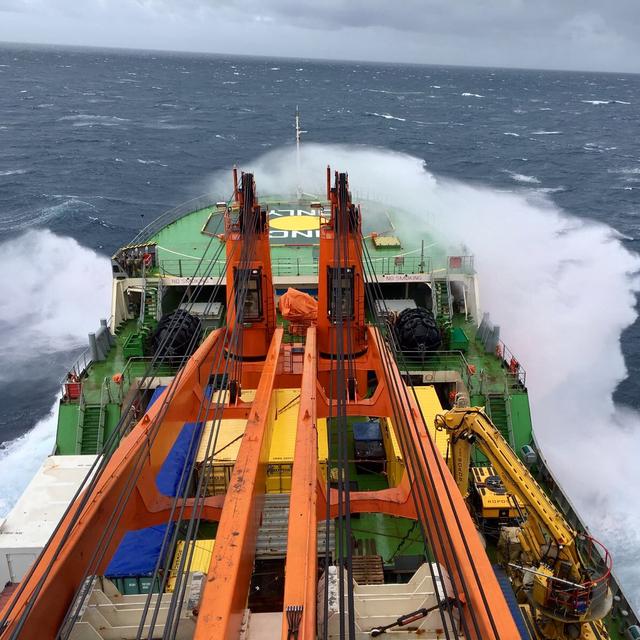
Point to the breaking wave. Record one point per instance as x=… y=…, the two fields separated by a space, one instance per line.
x=26 y=219
x=386 y=116
x=160 y=164
x=521 y=177
x=598 y=102
x=537 y=267
x=88 y=120
x=49 y=304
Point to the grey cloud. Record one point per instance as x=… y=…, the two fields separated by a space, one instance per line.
x=538 y=33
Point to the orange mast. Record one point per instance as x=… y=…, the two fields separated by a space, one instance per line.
x=249 y=273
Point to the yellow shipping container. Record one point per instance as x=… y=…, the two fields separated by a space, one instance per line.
x=430 y=406
x=199 y=563
x=283 y=440
x=286 y=403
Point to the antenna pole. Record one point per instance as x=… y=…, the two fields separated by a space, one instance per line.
x=299 y=188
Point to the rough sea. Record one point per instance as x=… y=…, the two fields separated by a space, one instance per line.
x=537 y=172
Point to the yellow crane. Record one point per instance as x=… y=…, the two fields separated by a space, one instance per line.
x=563 y=575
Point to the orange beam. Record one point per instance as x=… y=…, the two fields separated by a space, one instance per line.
x=452 y=516
x=69 y=553
x=301 y=569
x=225 y=593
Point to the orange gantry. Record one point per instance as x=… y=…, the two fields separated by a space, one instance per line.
x=49 y=591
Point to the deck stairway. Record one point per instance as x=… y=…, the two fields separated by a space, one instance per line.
x=92 y=429
x=442 y=301
x=496 y=407
x=272 y=537
x=149 y=315
x=134 y=345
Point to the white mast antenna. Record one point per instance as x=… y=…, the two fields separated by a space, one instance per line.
x=299 y=132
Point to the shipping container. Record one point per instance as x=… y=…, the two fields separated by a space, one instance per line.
x=200 y=559
x=282 y=446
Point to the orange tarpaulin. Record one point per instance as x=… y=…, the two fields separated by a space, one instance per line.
x=298 y=306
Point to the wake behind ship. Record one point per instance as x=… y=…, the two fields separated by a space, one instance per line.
x=297 y=424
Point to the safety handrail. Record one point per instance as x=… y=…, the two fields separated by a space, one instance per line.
x=80 y=427
x=516 y=374
x=126 y=375
x=79 y=366
x=440 y=361
x=171 y=215
x=290 y=266
x=105 y=398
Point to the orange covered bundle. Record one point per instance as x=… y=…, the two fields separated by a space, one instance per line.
x=298 y=306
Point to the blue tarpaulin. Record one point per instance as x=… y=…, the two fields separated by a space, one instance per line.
x=157 y=392
x=367 y=431
x=179 y=457
x=138 y=552
x=507 y=590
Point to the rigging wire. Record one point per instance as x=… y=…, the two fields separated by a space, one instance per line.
x=134 y=474
x=416 y=471
x=470 y=558
x=240 y=292
x=171 y=625
x=87 y=487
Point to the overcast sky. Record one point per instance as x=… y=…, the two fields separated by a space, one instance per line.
x=557 y=34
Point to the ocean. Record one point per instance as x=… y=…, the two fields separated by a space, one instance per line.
x=538 y=172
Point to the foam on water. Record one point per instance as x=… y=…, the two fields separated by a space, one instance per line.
x=48 y=305
x=521 y=177
x=386 y=116
x=89 y=120
x=562 y=289
x=27 y=219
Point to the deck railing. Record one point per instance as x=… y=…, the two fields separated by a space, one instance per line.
x=434 y=361
x=171 y=215
x=514 y=371
x=292 y=266
x=623 y=612
x=168 y=366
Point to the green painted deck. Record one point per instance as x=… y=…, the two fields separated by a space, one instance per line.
x=294 y=241
x=114 y=363
x=181 y=245
x=388 y=536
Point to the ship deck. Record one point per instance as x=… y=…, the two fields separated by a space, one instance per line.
x=187 y=247
x=294 y=225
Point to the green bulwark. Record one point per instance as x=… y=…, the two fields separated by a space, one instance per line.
x=67 y=429
x=520 y=420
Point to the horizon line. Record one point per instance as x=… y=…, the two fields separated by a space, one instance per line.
x=189 y=52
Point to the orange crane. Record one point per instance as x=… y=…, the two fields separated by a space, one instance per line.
x=428 y=491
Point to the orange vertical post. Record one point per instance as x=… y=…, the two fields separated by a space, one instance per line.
x=227 y=586
x=249 y=262
x=301 y=569
x=340 y=276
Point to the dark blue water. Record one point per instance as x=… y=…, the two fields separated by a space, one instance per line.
x=93 y=144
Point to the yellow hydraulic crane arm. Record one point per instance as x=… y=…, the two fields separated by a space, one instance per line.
x=471 y=425
x=568 y=588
